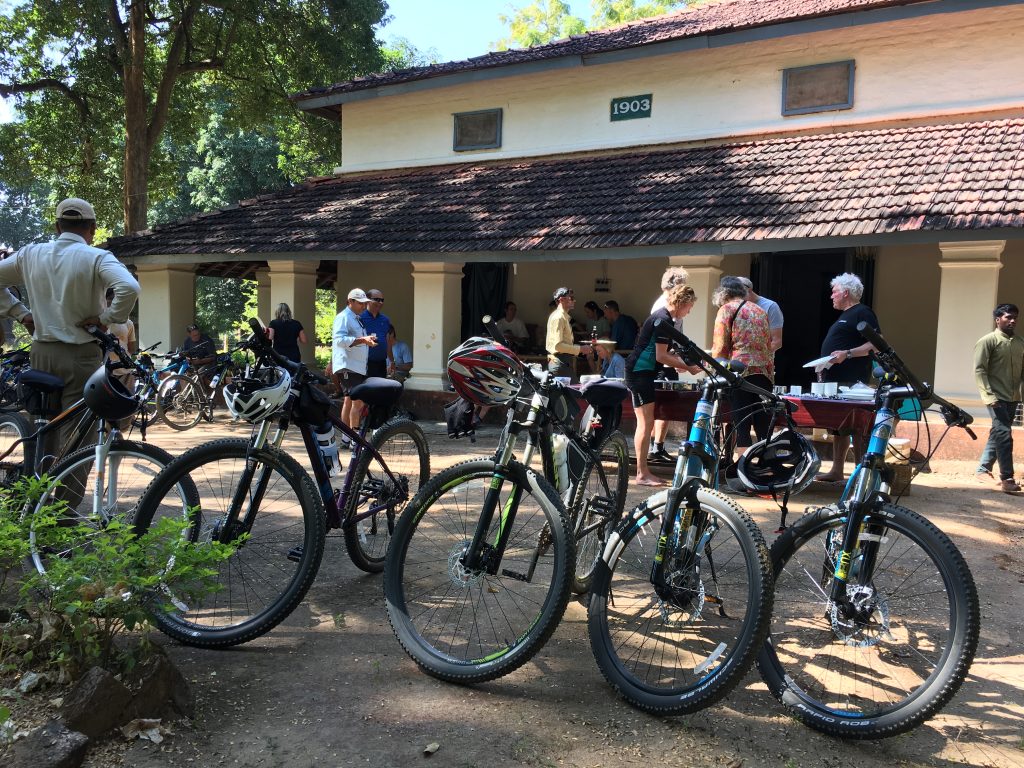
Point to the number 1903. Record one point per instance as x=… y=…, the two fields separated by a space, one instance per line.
x=631 y=107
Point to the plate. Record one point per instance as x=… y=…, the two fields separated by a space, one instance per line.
x=819 y=361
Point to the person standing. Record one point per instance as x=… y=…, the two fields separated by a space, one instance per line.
x=849 y=357
x=623 y=328
x=672 y=277
x=771 y=308
x=349 y=351
x=648 y=356
x=562 y=351
x=999 y=373
x=286 y=333
x=376 y=323
x=597 y=323
x=67 y=281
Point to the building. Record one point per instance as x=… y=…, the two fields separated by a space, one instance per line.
x=785 y=139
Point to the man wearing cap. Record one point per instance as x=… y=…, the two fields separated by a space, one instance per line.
x=377 y=323
x=349 y=353
x=561 y=350
x=67 y=281
x=198 y=347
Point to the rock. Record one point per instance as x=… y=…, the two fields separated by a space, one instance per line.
x=32 y=681
x=159 y=690
x=96 y=703
x=48 y=746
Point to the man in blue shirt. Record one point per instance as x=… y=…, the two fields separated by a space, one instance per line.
x=623 y=327
x=376 y=324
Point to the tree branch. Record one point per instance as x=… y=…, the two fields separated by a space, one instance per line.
x=48 y=84
x=172 y=70
x=117 y=31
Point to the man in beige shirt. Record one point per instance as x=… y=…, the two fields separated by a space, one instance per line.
x=562 y=352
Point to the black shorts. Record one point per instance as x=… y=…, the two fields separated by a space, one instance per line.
x=641 y=387
x=348 y=379
x=377 y=368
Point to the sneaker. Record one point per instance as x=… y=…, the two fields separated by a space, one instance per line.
x=985 y=476
x=1009 y=486
x=660 y=457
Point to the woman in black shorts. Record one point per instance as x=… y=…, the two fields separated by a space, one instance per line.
x=650 y=353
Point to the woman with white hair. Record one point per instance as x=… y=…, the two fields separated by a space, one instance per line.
x=849 y=355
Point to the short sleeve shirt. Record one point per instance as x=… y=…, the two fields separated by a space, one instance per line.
x=844 y=335
x=741 y=333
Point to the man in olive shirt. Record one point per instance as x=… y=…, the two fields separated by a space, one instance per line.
x=999 y=372
x=562 y=351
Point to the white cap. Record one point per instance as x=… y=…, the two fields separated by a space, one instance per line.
x=357 y=294
x=75 y=208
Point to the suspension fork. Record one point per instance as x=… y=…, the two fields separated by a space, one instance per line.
x=677 y=538
x=245 y=491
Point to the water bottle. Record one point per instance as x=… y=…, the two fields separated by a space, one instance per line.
x=328 y=446
x=560 y=454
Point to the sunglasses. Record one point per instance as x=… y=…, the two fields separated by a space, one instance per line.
x=377 y=299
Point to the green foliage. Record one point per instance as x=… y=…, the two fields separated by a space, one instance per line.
x=111 y=580
x=545 y=20
x=24 y=215
x=400 y=53
x=326 y=311
x=221 y=304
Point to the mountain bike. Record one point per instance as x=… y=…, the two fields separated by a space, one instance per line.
x=93 y=484
x=255 y=495
x=184 y=398
x=876 y=613
x=148 y=381
x=682 y=594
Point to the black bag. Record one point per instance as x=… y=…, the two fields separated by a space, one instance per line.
x=459 y=415
x=314 y=404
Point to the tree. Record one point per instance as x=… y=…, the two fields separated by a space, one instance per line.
x=23 y=215
x=100 y=84
x=545 y=20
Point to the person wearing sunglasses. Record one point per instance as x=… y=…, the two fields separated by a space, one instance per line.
x=377 y=324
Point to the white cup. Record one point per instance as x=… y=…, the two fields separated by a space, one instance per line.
x=831 y=388
x=796 y=390
x=818 y=388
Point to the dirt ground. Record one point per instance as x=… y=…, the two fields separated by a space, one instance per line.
x=332 y=687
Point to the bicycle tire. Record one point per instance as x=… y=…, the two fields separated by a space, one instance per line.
x=670 y=658
x=148 y=412
x=13 y=427
x=403 y=446
x=837 y=694
x=179 y=403
x=600 y=504
x=268 y=574
x=131 y=467
x=497 y=622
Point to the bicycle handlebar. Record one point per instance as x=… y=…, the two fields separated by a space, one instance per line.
x=260 y=344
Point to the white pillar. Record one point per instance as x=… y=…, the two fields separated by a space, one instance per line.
x=437 y=321
x=294 y=283
x=969 y=282
x=705 y=274
x=263 y=308
x=162 y=318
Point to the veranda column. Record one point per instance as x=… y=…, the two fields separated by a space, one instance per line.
x=263 y=308
x=437 y=321
x=167 y=304
x=294 y=283
x=967 y=296
x=705 y=274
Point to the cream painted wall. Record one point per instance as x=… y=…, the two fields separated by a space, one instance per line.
x=905 y=70
x=906 y=302
x=1011 y=276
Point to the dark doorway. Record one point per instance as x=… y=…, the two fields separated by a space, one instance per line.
x=799 y=282
x=484 y=288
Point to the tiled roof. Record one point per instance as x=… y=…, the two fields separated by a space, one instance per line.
x=715 y=18
x=965 y=176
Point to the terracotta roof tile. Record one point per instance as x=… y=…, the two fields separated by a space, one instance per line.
x=835 y=184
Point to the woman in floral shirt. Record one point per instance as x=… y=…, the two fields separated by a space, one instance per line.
x=742 y=333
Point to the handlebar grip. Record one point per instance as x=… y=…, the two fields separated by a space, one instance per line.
x=491 y=327
x=874 y=337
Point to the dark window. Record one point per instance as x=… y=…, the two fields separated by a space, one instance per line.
x=817 y=88
x=477 y=130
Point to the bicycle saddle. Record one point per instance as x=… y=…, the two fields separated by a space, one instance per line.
x=41 y=381
x=377 y=391
x=604 y=392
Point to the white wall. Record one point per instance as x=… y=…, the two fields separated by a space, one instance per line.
x=944 y=64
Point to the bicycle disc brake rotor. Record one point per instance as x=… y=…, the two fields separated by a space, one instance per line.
x=869 y=623
x=457 y=571
x=686 y=599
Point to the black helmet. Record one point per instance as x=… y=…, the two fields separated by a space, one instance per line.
x=785 y=460
x=107 y=397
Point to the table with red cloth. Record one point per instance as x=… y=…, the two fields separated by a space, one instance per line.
x=851 y=416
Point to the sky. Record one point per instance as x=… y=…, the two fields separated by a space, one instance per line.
x=457 y=29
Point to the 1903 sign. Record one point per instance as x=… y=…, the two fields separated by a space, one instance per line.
x=631 y=107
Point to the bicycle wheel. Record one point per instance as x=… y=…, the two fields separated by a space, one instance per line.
x=148 y=412
x=13 y=427
x=179 y=402
x=469 y=626
x=903 y=660
x=684 y=646
x=597 y=505
x=93 y=498
x=268 y=574
x=377 y=499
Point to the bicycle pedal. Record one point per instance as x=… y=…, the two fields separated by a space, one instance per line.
x=514 y=575
x=295 y=554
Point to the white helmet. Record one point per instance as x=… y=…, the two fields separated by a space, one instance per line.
x=259 y=397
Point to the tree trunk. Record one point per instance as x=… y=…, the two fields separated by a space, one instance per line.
x=136 y=145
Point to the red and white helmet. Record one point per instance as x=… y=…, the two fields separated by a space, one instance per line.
x=485 y=372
